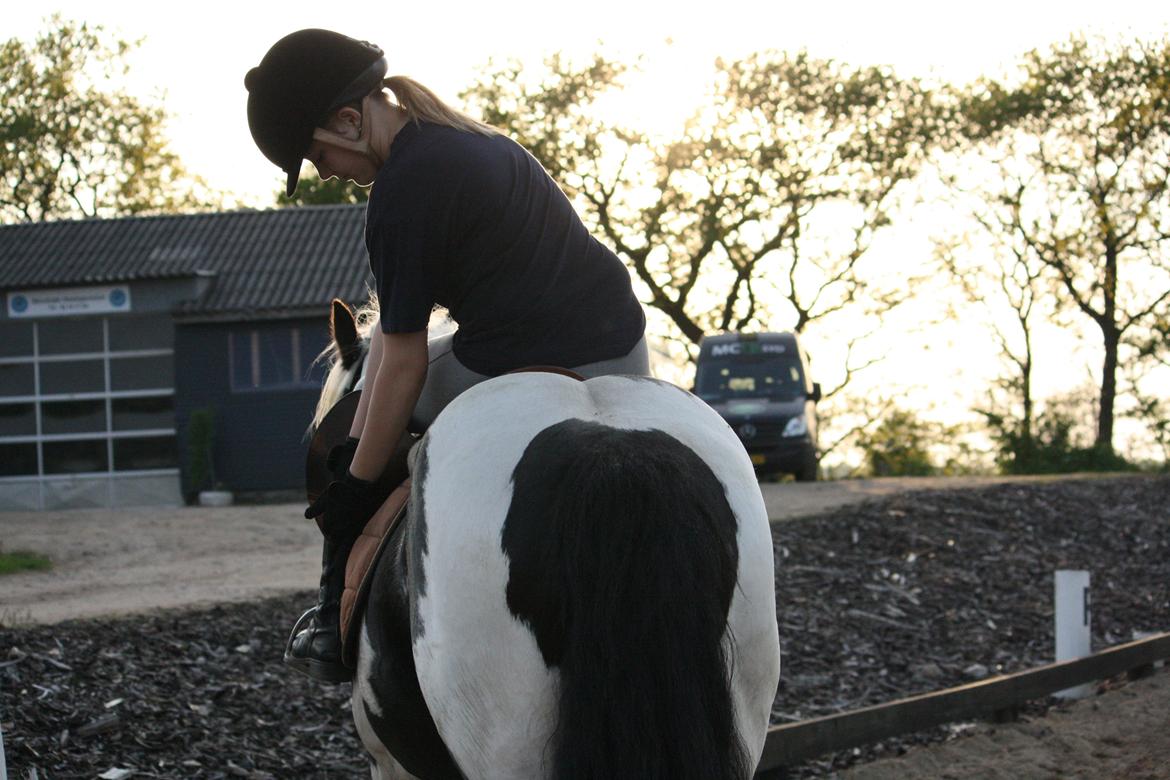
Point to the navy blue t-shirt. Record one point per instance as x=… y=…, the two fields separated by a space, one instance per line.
x=475 y=224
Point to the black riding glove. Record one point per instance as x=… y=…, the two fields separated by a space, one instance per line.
x=346 y=506
x=339 y=458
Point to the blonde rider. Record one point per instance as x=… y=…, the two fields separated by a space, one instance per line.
x=459 y=216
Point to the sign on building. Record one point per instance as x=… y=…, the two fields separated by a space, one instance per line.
x=68 y=301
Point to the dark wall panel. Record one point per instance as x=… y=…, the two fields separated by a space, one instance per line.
x=260 y=442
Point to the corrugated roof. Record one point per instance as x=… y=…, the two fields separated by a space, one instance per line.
x=287 y=258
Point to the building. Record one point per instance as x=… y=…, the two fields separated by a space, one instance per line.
x=115 y=331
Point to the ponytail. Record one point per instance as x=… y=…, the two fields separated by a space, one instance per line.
x=421 y=104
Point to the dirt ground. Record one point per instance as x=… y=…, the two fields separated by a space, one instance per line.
x=115 y=562
x=1122 y=734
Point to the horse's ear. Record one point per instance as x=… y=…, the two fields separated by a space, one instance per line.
x=343 y=330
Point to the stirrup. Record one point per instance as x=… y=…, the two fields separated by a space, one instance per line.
x=323 y=671
x=296 y=629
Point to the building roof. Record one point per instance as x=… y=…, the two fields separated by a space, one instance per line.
x=261 y=261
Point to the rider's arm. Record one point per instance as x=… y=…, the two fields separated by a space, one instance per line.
x=393 y=394
x=373 y=360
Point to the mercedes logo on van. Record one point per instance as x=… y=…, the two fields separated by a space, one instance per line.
x=747 y=431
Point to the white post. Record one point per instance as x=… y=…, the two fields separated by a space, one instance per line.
x=1072 y=624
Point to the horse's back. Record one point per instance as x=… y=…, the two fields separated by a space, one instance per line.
x=488 y=678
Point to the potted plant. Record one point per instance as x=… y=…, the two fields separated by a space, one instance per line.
x=201 y=451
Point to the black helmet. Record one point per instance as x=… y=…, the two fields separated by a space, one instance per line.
x=302 y=78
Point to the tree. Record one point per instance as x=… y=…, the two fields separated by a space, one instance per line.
x=899 y=446
x=72 y=145
x=760 y=213
x=1155 y=345
x=1010 y=284
x=312 y=191
x=740 y=211
x=1080 y=156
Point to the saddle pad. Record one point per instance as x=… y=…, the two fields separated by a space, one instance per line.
x=359 y=568
x=549 y=370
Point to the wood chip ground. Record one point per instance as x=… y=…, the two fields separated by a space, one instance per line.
x=875 y=601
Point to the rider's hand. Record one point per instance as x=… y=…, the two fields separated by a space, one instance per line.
x=339 y=458
x=346 y=505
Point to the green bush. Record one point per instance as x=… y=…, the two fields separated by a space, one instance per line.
x=1054 y=449
x=200 y=450
x=899 y=446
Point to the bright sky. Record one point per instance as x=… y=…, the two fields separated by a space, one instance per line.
x=197 y=54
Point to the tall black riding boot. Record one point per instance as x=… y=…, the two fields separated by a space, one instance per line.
x=315 y=650
x=314 y=647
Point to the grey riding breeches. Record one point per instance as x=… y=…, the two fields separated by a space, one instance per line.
x=447 y=377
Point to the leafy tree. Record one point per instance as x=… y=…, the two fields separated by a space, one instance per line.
x=1156 y=343
x=1148 y=408
x=760 y=213
x=72 y=146
x=899 y=446
x=1010 y=284
x=742 y=209
x=1079 y=155
x=312 y=191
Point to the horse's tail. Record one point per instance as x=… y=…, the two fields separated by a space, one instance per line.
x=626 y=579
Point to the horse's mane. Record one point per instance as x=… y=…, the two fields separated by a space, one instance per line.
x=338 y=377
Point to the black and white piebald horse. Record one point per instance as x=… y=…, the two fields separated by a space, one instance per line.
x=583 y=588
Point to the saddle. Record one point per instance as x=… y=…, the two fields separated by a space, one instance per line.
x=368 y=548
x=359 y=569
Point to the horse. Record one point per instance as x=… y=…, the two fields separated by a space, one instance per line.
x=582 y=587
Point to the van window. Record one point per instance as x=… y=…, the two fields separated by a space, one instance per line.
x=749 y=376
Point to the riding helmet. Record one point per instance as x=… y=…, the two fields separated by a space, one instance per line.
x=303 y=77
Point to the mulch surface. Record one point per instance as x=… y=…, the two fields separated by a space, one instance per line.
x=875 y=601
x=930 y=590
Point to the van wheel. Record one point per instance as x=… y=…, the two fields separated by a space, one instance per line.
x=807 y=472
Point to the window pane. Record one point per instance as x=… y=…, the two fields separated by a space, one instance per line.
x=73 y=376
x=132 y=414
x=127 y=333
x=17 y=379
x=18 y=460
x=16 y=339
x=18 y=419
x=156 y=452
x=276 y=357
x=74 y=457
x=57 y=337
x=146 y=373
x=73 y=416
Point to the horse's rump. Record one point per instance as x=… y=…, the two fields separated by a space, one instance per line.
x=490 y=649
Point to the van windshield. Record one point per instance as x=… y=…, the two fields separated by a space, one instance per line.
x=754 y=376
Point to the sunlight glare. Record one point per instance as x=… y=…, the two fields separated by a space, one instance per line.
x=669 y=87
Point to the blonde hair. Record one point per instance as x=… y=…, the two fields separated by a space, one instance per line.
x=421 y=104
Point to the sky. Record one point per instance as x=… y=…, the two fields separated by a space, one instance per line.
x=193 y=58
x=195 y=55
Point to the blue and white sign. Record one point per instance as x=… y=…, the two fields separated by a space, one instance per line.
x=68 y=301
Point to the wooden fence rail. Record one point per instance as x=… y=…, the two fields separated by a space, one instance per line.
x=793 y=743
